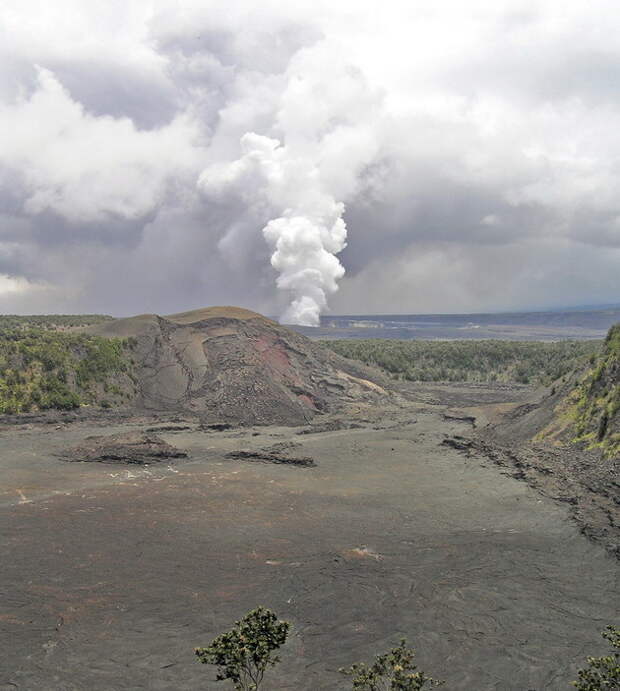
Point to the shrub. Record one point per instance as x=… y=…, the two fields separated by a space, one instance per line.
x=244 y=653
x=602 y=673
x=393 y=670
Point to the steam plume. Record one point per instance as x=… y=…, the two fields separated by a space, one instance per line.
x=302 y=223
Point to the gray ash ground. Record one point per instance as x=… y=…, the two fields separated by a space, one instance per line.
x=112 y=574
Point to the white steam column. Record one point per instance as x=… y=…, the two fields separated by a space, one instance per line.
x=303 y=224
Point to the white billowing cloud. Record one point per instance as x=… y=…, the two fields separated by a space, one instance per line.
x=448 y=136
x=86 y=168
x=12 y=285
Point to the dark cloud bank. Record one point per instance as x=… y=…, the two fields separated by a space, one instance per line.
x=160 y=156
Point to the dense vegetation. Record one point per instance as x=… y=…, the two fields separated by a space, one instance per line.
x=50 y=321
x=471 y=361
x=41 y=368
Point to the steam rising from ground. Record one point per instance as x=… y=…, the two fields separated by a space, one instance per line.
x=304 y=230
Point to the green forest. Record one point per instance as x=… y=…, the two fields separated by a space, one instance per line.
x=50 y=321
x=471 y=361
x=41 y=368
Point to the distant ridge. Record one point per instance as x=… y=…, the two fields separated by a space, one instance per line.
x=512 y=326
x=587 y=308
x=571 y=315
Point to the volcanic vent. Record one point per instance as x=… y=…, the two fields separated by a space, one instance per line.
x=228 y=364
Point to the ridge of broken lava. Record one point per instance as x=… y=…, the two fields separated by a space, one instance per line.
x=228 y=364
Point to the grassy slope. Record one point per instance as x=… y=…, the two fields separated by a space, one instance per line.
x=594 y=405
x=41 y=368
x=470 y=361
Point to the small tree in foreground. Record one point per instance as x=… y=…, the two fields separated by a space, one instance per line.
x=603 y=673
x=393 y=671
x=244 y=653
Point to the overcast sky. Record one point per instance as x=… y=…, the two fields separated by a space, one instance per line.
x=471 y=148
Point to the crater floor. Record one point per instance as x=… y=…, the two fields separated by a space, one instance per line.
x=111 y=574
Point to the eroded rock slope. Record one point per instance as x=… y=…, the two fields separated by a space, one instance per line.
x=232 y=365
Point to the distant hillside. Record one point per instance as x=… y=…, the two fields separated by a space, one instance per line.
x=570 y=317
x=592 y=408
x=570 y=324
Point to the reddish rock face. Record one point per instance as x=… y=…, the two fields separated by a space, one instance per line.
x=232 y=365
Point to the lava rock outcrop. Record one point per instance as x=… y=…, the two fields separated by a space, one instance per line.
x=133 y=448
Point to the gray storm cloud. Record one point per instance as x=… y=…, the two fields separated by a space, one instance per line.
x=161 y=155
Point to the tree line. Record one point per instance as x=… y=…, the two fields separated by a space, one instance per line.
x=483 y=361
x=50 y=321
